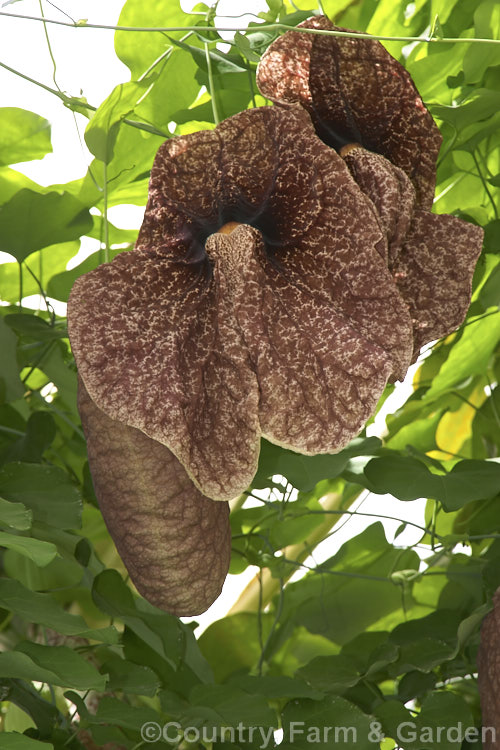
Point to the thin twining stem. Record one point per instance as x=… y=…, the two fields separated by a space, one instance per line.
x=78 y=104
x=82 y=24
x=49 y=47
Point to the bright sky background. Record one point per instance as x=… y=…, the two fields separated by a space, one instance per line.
x=87 y=65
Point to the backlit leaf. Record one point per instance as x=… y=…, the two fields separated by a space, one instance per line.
x=23 y=136
x=469 y=356
x=30 y=221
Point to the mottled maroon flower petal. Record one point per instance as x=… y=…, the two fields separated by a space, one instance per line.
x=319 y=376
x=159 y=350
x=488 y=661
x=175 y=543
x=390 y=190
x=434 y=273
x=288 y=328
x=431 y=256
x=355 y=91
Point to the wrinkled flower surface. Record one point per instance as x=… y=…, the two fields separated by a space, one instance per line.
x=201 y=341
x=288 y=327
x=364 y=105
x=431 y=257
x=488 y=663
x=355 y=91
x=275 y=287
x=175 y=543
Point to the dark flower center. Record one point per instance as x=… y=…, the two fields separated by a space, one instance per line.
x=261 y=217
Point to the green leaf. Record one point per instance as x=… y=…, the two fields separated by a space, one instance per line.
x=275 y=687
x=11 y=181
x=56 y=665
x=430 y=67
x=469 y=356
x=46 y=490
x=101 y=132
x=274 y=526
x=478 y=105
x=233 y=643
x=163 y=633
x=11 y=387
x=51 y=260
x=442 y=8
x=59 y=368
x=62 y=573
x=370 y=651
x=30 y=221
x=131 y=47
x=471 y=625
x=419 y=433
x=113 y=711
x=490 y=292
x=127 y=173
x=425 y=654
x=480 y=57
x=44 y=713
x=304 y=472
x=116 y=235
x=492 y=236
x=227 y=705
x=439 y=710
x=200 y=116
x=23 y=136
x=332 y=722
x=388 y=19
x=355 y=589
x=275 y=6
x=15 y=741
x=416 y=685
x=44 y=610
x=41 y=553
x=173 y=88
x=15 y=515
x=220 y=63
x=131 y=678
x=40 y=432
x=408 y=479
x=332 y=674
x=35 y=327
x=243 y=44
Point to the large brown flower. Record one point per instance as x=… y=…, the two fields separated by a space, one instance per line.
x=355 y=91
x=365 y=106
x=257 y=302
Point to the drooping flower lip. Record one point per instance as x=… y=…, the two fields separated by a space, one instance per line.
x=297 y=350
x=355 y=90
x=175 y=543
